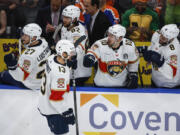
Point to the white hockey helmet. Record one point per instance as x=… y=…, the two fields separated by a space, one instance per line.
x=72 y=12
x=65 y=46
x=117 y=30
x=32 y=29
x=170 y=31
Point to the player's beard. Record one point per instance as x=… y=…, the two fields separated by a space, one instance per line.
x=109 y=43
x=66 y=25
x=163 y=43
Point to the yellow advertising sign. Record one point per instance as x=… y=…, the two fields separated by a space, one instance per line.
x=145 y=69
x=7 y=46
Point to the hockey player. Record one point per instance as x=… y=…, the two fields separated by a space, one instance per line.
x=27 y=72
x=54 y=96
x=117 y=59
x=164 y=54
x=72 y=30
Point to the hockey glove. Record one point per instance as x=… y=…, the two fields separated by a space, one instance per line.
x=157 y=59
x=72 y=62
x=142 y=49
x=89 y=60
x=69 y=116
x=132 y=81
x=11 y=61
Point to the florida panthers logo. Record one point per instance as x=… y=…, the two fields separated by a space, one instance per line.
x=26 y=65
x=115 y=67
x=61 y=83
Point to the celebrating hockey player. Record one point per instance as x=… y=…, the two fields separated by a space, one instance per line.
x=54 y=101
x=72 y=30
x=27 y=72
x=117 y=59
x=164 y=54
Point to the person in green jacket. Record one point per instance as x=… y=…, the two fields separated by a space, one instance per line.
x=172 y=14
x=140 y=21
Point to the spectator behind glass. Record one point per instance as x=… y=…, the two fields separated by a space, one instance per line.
x=30 y=9
x=80 y=5
x=172 y=14
x=159 y=7
x=3 y=23
x=110 y=12
x=140 y=21
x=15 y=17
x=96 y=21
x=49 y=18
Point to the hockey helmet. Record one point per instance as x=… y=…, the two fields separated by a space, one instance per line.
x=65 y=46
x=170 y=31
x=117 y=30
x=72 y=12
x=32 y=29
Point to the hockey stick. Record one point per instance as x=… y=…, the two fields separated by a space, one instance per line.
x=78 y=41
x=140 y=76
x=20 y=46
x=75 y=102
x=57 y=30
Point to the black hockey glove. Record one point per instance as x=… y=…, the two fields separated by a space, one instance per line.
x=145 y=52
x=89 y=60
x=132 y=81
x=69 y=116
x=11 y=61
x=72 y=62
x=157 y=59
x=142 y=49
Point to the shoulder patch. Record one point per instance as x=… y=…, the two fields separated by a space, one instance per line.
x=26 y=65
x=173 y=60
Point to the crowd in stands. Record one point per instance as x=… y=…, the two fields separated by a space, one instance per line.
x=140 y=18
x=14 y=14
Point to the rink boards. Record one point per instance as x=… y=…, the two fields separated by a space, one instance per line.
x=101 y=111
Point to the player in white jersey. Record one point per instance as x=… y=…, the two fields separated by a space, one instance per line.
x=164 y=54
x=117 y=59
x=31 y=63
x=54 y=96
x=72 y=30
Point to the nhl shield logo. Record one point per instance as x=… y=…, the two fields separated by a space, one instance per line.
x=115 y=67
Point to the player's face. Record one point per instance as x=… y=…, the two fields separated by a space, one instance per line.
x=163 y=40
x=111 y=40
x=66 y=21
x=25 y=39
x=65 y=55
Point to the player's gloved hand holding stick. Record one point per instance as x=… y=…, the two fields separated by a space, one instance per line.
x=132 y=81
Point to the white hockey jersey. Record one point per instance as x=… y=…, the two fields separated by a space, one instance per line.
x=31 y=65
x=169 y=74
x=54 y=88
x=114 y=65
x=73 y=35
